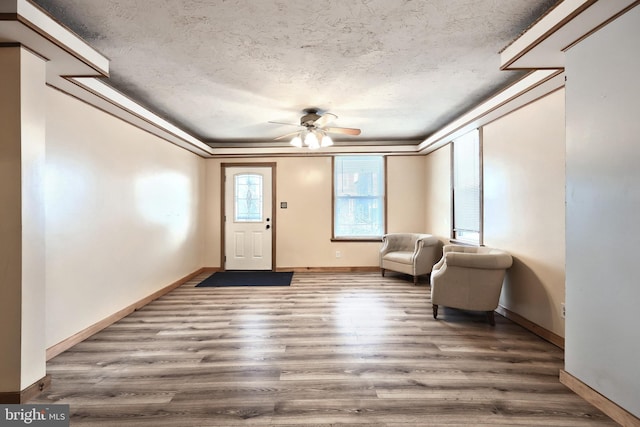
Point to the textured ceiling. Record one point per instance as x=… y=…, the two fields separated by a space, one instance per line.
x=399 y=70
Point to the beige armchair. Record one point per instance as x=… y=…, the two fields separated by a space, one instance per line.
x=469 y=278
x=409 y=253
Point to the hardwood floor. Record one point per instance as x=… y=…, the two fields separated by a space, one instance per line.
x=332 y=349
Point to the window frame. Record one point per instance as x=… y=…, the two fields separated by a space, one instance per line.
x=454 y=236
x=335 y=238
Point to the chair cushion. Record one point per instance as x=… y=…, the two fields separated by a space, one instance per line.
x=403 y=257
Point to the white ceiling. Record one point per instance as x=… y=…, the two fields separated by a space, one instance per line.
x=399 y=70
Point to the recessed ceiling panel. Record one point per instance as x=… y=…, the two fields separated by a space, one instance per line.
x=398 y=70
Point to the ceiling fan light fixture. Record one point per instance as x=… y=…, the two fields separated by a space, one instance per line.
x=326 y=141
x=311 y=141
x=315 y=132
x=297 y=141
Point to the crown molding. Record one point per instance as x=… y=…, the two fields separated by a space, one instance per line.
x=543 y=45
x=533 y=86
x=541 y=49
x=77 y=69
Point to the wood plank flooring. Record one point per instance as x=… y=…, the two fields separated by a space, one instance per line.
x=331 y=349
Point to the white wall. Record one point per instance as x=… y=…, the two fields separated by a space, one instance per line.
x=603 y=205
x=524 y=167
x=438 y=208
x=303 y=230
x=33 y=219
x=123 y=215
x=406 y=188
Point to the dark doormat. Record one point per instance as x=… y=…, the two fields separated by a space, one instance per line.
x=247 y=278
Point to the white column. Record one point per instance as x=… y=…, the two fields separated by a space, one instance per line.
x=22 y=219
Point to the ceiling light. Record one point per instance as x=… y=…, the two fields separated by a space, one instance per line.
x=312 y=138
x=314 y=133
x=297 y=141
x=326 y=141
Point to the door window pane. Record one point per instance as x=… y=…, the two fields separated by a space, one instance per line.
x=248 y=197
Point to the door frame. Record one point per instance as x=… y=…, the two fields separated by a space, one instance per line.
x=274 y=222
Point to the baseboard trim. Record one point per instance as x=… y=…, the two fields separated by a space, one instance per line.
x=330 y=269
x=615 y=412
x=310 y=269
x=66 y=344
x=17 y=397
x=543 y=333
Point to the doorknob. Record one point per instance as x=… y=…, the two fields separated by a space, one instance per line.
x=268 y=226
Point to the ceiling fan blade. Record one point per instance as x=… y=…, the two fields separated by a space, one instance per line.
x=345 y=131
x=283 y=123
x=287 y=135
x=325 y=119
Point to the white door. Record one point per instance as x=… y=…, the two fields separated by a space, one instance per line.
x=248 y=218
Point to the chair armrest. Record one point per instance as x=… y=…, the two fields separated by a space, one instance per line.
x=495 y=261
x=388 y=245
x=422 y=241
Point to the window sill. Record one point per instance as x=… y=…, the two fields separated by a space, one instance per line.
x=464 y=242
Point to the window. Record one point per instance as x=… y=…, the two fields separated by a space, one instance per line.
x=358 y=197
x=248 y=197
x=467 y=187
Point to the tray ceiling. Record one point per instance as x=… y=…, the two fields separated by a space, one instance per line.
x=399 y=70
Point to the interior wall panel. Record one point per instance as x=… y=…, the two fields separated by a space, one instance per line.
x=524 y=193
x=123 y=215
x=603 y=201
x=303 y=228
x=438 y=205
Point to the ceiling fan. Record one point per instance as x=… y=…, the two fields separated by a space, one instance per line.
x=315 y=129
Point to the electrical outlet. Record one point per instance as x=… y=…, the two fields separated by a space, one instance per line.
x=338 y=254
x=563 y=310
